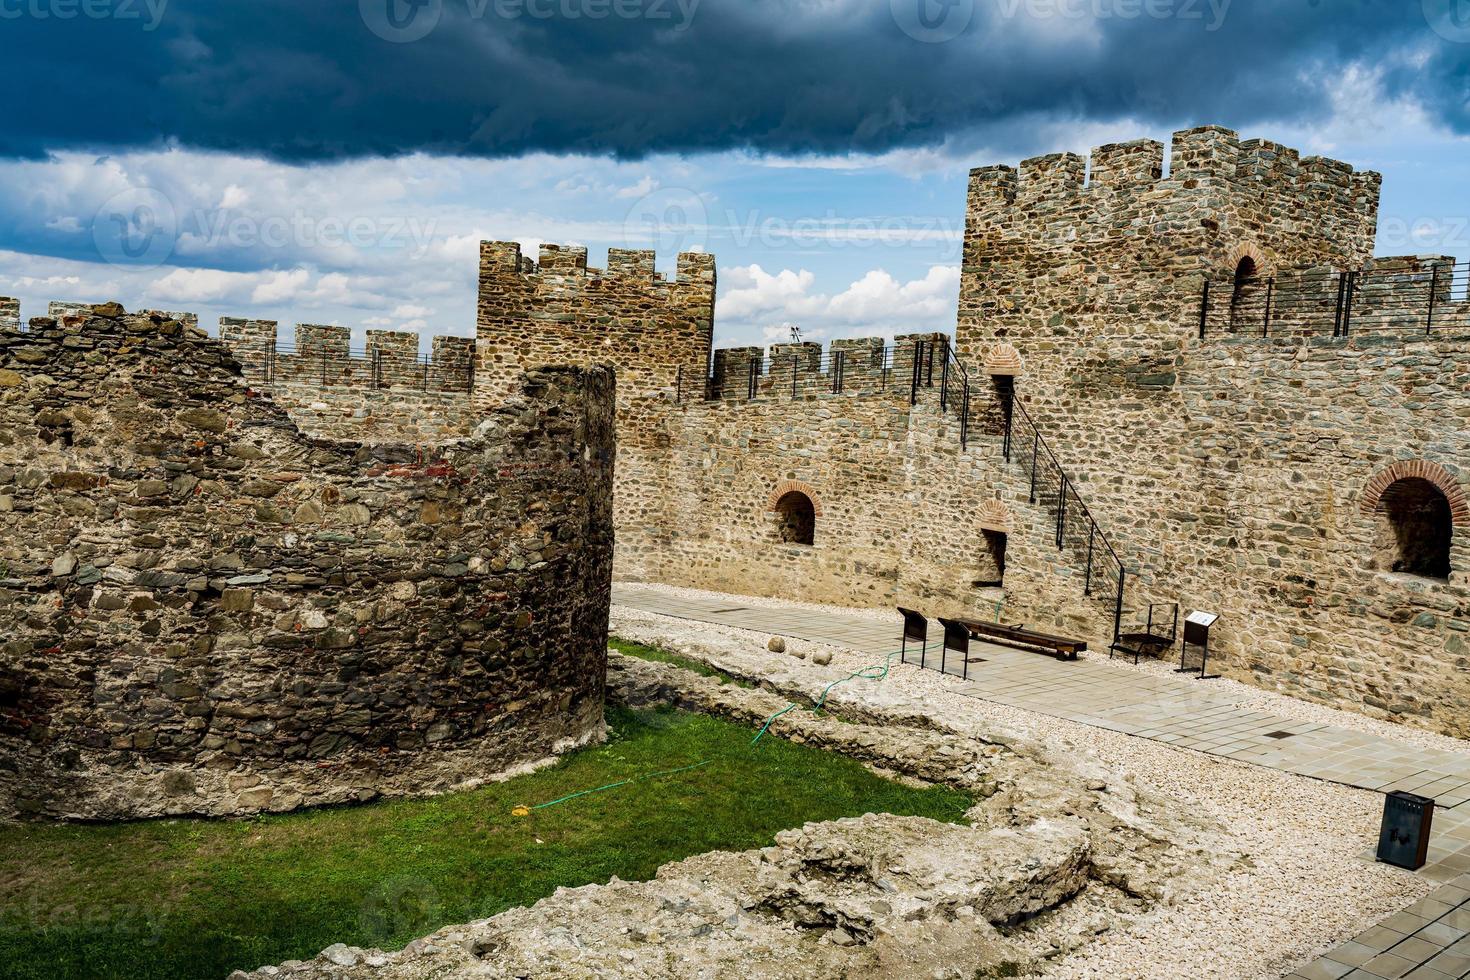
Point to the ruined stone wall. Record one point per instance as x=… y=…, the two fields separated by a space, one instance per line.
x=9 y=313
x=202 y=610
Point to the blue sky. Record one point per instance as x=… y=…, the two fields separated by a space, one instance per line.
x=336 y=161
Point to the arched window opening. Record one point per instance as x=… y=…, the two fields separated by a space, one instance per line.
x=1244 y=293
x=1415 y=534
x=796 y=518
x=992 y=560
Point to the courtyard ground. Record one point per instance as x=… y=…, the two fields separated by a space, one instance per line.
x=199 y=898
x=1308 y=883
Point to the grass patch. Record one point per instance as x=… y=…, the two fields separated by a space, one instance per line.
x=199 y=898
x=644 y=652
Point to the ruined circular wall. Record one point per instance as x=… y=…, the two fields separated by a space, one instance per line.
x=203 y=611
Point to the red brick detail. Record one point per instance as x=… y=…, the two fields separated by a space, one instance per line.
x=1421 y=469
x=787 y=486
x=994 y=515
x=1248 y=250
x=1003 y=359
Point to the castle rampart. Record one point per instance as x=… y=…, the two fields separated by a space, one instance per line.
x=560 y=311
x=205 y=611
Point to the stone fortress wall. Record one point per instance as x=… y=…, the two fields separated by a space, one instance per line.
x=205 y=611
x=1235 y=473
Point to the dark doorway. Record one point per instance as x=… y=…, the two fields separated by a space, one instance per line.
x=796 y=518
x=1416 y=537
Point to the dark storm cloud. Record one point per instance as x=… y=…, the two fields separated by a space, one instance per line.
x=310 y=79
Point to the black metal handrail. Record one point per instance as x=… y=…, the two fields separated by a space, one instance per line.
x=858 y=370
x=1076 y=529
x=1410 y=297
x=1104 y=573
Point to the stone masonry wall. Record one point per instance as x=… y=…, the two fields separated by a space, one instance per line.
x=9 y=314
x=385 y=395
x=562 y=312
x=1229 y=471
x=901 y=508
x=204 y=611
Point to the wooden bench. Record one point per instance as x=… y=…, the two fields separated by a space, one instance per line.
x=1019 y=635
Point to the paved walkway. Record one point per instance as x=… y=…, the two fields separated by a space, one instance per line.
x=1179 y=710
x=1429 y=940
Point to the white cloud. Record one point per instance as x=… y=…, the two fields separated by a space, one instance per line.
x=280 y=287
x=234 y=196
x=200 y=286
x=756 y=302
x=646 y=185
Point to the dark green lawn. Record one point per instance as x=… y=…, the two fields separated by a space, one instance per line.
x=197 y=898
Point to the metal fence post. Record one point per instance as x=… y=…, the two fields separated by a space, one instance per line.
x=944 y=382
x=1087 y=576
x=918 y=350
x=1266 y=323
x=1204 y=308
x=1433 y=289
x=965 y=418
x=1035 y=445
x=1118 y=607
x=1337 y=312
x=1062 y=513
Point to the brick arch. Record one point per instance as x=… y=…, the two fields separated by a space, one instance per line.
x=787 y=486
x=1248 y=250
x=1421 y=469
x=1003 y=359
x=994 y=515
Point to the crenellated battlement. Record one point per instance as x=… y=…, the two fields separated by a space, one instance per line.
x=1062 y=246
x=559 y=310
x=571 y=260
x=322 y=354
x=1201 y=161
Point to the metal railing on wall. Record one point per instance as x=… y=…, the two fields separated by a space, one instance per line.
x=913 y=370
x=891 y=370
x=374 y=368
x=1424 y=298
x=1076 y=530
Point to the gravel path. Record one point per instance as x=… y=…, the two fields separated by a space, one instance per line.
x=1303 y=890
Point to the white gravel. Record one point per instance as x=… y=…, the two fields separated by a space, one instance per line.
x=1302 y=890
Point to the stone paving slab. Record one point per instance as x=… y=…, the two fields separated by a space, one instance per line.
x=1429 y=940
x=1177 y=710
